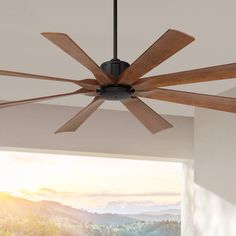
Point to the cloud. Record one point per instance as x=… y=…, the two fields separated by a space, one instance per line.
x=148 y=194
x=141 y=203
x=105 y=194
x=48 y=193
x=107 y=201
x=31 y=158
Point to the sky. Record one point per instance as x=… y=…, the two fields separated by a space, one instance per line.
x=93 y=183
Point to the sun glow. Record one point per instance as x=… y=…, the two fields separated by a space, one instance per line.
x=90 y=182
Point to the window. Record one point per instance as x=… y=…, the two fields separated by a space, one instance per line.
x=89 y=196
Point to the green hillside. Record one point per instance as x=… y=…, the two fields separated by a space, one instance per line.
x=20 y=217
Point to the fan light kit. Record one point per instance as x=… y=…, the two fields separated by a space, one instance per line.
x=118 y=80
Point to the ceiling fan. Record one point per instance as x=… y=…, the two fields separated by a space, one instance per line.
x=117 y=80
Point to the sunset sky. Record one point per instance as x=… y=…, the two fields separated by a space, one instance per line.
x=92 y=183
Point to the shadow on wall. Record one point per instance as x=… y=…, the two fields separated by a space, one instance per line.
x=213 y=216
x=203 y=212
x=187 y=199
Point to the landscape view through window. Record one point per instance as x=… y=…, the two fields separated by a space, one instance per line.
x=62 y=195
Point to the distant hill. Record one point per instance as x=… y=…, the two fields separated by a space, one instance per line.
x=20 y=217
x=57 y=212
x=167 y=211
x=165 y=215
x=157 y=218
x=53 y=209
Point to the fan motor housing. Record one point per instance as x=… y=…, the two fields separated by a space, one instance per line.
x=114 y=67
x=115 y=92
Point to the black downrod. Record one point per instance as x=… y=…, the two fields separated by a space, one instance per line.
x=115 y=56
x=115 y=67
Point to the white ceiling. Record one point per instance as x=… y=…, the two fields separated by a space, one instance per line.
x=89 y=23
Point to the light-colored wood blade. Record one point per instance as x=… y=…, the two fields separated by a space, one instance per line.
x=193 y=99
x=149 y=118
x=73 y=124
x=65 y=43
x=169 y=44
x=39 y=99
x=188 y=77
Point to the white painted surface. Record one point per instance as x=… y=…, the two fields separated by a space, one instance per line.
x=213 y=215
x=205 y=213
x=214 y=203
x=89 y=23
x=110 y=132
x=187 y=199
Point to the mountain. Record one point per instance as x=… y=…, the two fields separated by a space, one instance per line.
x=156 y=218
x=53 y=209
x=167 y=211
x=21 y=217
x=57 y=212
x=165 y=215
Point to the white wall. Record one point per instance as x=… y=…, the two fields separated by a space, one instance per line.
x=187 y=199
x=214 y=202
x=32 y=127
x=210 y=201
x=203 y=212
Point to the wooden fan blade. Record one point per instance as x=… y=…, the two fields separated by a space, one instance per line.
x=73 y=124
x=90 y=93
x=65 y=43
x=89 y=84
x=194 y=99
x=26 y=101
x=169 y=44
x=188 y=77
x=149 y=118
x=33 y=76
